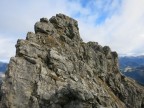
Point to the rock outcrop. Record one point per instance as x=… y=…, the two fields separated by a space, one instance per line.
x=54 y=68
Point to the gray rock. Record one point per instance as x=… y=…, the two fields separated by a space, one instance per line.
x=54 y=68
x=44 y=26
x=44 y=20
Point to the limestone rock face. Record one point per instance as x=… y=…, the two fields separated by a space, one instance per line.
x=54 y=68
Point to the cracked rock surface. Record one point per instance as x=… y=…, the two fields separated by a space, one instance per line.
x=54 y=68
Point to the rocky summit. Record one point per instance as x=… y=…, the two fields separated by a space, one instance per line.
x=54 y=68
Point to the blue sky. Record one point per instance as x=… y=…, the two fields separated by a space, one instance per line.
x=116 y=23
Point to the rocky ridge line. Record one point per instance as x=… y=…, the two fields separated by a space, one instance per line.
x=54 y=68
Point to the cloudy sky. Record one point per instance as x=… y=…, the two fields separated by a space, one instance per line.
x=116 y=23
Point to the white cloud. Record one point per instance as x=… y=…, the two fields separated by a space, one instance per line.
x=7 y=46
x=20 y=16
x=122 y=31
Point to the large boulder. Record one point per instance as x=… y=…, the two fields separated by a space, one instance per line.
x=54 y=68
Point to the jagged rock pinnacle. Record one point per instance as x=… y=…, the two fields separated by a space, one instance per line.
x=54 y=68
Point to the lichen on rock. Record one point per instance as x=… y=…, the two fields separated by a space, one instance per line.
x=54 y=68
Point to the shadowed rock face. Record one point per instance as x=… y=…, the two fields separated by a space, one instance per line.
x=54 y=68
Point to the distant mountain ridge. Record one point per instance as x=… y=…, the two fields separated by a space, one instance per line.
x=3 y=67
x=133 y=66
x=133 y=61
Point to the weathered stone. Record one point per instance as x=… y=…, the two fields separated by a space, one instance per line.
x=44 y=20
x=46 y=28
x=54 y=68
